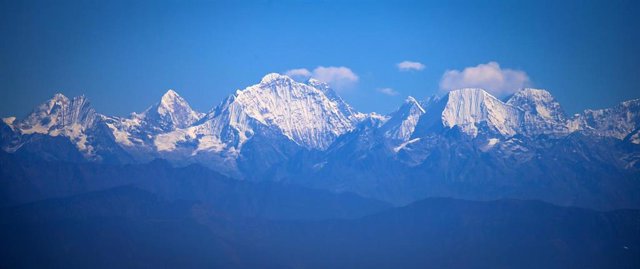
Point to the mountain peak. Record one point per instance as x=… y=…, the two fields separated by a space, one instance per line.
x=170 y=100
x=324 y=87
x=9 y=120
x=61 y=116
x=273 y=77
x=535 y=95
x=469 y=107
x=402 y=122
x=59 y=97
x=333 y=96
x=170 y=94
x=411 y=104
x=529 y=110
x=631 y=103
x=535 y=92
x=318 y=84
x=617 y=121
x=308 y=116
x=412 y=101
x=478 y=92
x=538 y=102
x=173 y=111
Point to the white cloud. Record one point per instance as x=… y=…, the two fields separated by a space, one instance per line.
x=388 y=91
x=300 y=73
x=489 y=76
x=410 y=66
x=339 y=77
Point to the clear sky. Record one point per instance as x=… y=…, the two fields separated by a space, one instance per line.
x=125 y=55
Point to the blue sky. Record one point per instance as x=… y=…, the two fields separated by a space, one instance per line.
x=124 y=56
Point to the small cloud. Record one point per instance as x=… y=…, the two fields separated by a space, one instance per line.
x=410 y=66
x=489 y=76
x=388 y=91
x=339 y=77
x=300 y=73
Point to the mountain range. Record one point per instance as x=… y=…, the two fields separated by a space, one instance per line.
x=464 y=144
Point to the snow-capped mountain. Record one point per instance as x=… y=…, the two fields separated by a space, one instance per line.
x=172 y=112
x=618 y=121
x=528 y=112
x=59 y=116
x=139 y=130
x=311 y=115
x=468 y=108
x=403 y=121
x=542 y=113
x=304 y=133
x=471 y=110
x=286 y=115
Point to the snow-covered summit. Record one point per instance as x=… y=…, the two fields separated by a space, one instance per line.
x=58 y=113
x=275 y=78
x=413 y=102
x=277 y=107
x=616 y=122
x=542 y=113
x=301 y=112
x=172 y=112
x=403 y=121
x=468 y=108
x=539 y=102
x=61 y=116
x=138 y=131
x=344 y=107
x=474 y=110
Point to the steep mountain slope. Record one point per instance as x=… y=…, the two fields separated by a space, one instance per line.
x=60 y=116
x=300 y=112
x=616 y=122
x=529 y=112
x=402 y=122
x=287 y=116
x=542 y=113
x=137 y=133
x=469 y=108
x=472 y=112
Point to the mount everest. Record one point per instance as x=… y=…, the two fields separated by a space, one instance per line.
x=465 y=144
